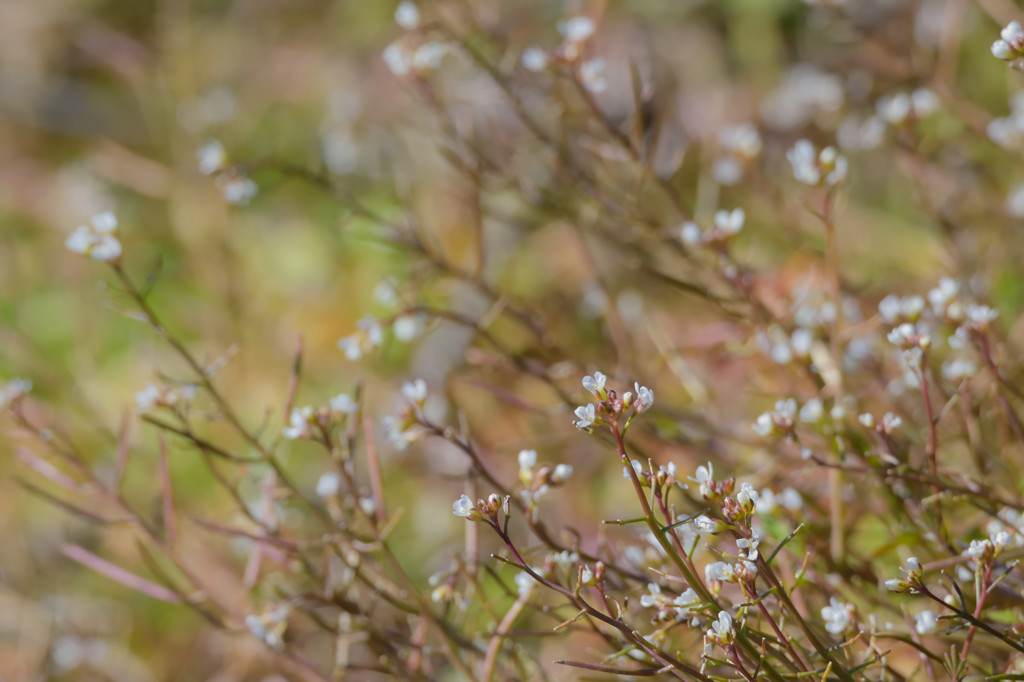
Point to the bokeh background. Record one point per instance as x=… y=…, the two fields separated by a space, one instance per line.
x=103 y=106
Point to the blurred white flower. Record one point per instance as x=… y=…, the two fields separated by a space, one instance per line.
x=730 y=222
x=344 y=404
x=1011 y=42
x=926 y=622
x=534 y=59
x=407 y=15
x=98 y=239
x=576 y=29
x=592 y=75
x=239 y=190
x=836 y=616
x=428 y=56
x=328 y=484
x=211 y=157
x=14 y=390
x=415 y=391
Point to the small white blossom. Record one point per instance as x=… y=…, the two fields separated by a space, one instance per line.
x=98 y=239
x=730 y=222
x=719 y=571
x=328 y=484
x=428 y=56
x=644 y=397
x=406 y=327
x=576 y=29
x=239 y=190
x=534 y=59
x=211 y=157
x=464 y=507
x=721 y=628
x=397 y=59
x=343 y=404
x=407 y=15
x=595 y=384
x=299 y=422
x=415 y=391
x=527 y=459
x=561 y=474
x=13 y=391
x=1011 y=42
x=653 y=596
x=926 y=622
x=585 y=416
x=836 y=616
x=826 y=168
x=592 y=75
x=524 y=582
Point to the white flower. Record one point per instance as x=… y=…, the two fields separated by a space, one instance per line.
x=686 y=603
x=742 y=140
x=727 y=171
x=592 y=75
x=369 y=336
x=704 y=477
x=407 y=15
x=464 y=507
x=706 y=525
x=691 y=234
x=239 y=190
x=98 y=239
x=924 y=102
x=894 y=109
x=644 y=397
x=328 y=484
x=730 y=222
x=415 y=391
x=812 y=411
x=1011 y=42
x=561 y=474
x=722 y=626
x=524 y=582
x=959 y=369
x=343 y=404
x=826 y=168
x=397 y=59
x=13 y=391
x=565 y=558
x=428 y=56
x=1015 y=202
x=719 y=571
x=527 y=459
x=585 y=416
x=653 y=596
x=299 y=423
x=534 y=59
x=147 y=398
x=750 y=544
x=406 y=328
x=576 y=29
x=638 y=469
x=836 y=616
x=803 y=159
x=926 y=622
x=211 y=157
x=595 y=384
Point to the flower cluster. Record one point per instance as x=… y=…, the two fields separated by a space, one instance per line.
x=309 y=422
x=608 y=406
x=97 y=240
x=825 y=168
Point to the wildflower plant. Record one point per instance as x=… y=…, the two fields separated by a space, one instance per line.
x=799 y=457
